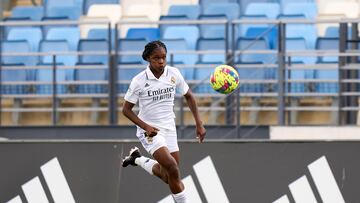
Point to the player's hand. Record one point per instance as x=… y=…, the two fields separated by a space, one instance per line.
x=151 y=131
x=200 y=133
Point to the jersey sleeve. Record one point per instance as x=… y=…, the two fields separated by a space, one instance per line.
x=181 y=84
x=133 y=93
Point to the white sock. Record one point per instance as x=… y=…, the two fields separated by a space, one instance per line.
x=180 y=197
x=146 y=163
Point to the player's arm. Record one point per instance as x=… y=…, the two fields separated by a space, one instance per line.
x=200 y=130
x=129 y=113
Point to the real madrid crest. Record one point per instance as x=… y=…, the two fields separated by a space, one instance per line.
x=173 y=80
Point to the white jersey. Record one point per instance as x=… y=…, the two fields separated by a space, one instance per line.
x=156 y=96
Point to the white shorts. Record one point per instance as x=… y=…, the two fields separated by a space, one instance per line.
x=164 y=138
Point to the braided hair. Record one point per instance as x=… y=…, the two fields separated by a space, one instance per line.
x=150 y=47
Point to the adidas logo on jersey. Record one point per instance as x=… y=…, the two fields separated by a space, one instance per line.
x=147 y=85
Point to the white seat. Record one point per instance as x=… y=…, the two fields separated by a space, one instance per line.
x=152 y=11
x=127 y=3
x=348 y=9
x=109 y=11
x=84 y=28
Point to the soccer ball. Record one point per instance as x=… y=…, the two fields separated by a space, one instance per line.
x=224 y=79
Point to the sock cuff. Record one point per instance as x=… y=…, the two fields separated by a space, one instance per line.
x=180 y=197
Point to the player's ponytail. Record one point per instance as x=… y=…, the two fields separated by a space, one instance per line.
x=150 y=47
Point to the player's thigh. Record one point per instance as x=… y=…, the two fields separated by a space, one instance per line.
x=164 y=158
x=176 y=156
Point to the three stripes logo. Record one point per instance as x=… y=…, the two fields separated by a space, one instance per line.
x=324 y=181
x=56 y=182
x=209 y=181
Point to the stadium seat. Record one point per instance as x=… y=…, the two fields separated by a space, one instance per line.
x=131 y=45
x=6 y=29
x=242 y=28
x=190 y=33
x=150 y=34
x=102 y=34
x=284 y=3
x=212 y=30
x=70 y=34
x=16 y=75
x=216 y=44
x=17 y=46
x=167 y=4
x=271 y=10
x=47 y=27
x=251 y=73
x=230 y=10
x=163 y=27
x=65 y=8
x=270 y=34
x=191 y=11
x=89 y=3
x=126 y=74
x=299 y=44
x=57 y=46
x=151 y=11
x=91 y=75
x=94 y=45
x=111 y=12
x=35 y=13
x=244 y=3
x=331 y=44
x=207 y=2
x=174 y=45
x=253 y=44
x=201 y=75
x=307 y=31
x=125 y=27
x=32 y=35
x=308 y=9
x=46 y=76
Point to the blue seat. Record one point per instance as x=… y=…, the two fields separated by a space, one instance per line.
x=324 y=74
x=17 y=46
x=333 y=31
x=70 y=34
x=17 y=75
x=270 y=10
x=217 y=44
x=190 y=33
x=244 y=4
x=308 y=9
x=212 y=30
x=70 y=8
x=299 y=44
x=253 y=73
x=90 y=75
x=32 y=35
x=94 y=45
x=46 y=75
x=242 y=29
x=174 y=45
x=230 y=10
x=163 y=27
x=46 y=28
x=253 y=44
x=270 y=34
x=35 y=13
x=149 y=34
x=102 y=34
x=15 y=19
x=307 y=31
x=327 y=43
x=207 y=2
x=202 y=77
x=131 y=45
x=88 y=3
x=190 y=11
x=284 y=3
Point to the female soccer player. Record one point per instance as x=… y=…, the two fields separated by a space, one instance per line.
x=154 y=89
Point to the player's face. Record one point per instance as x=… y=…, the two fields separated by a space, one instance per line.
x=157 y=59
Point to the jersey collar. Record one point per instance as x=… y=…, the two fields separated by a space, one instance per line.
x=150 y=75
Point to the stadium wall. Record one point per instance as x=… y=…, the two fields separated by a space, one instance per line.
x=90 y=172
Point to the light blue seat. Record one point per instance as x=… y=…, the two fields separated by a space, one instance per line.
x=298 y=30
x=32 y=35
x=308 y=9
x=70 y=8
x=253 y=73
x=191 y=11
x=7 y=29
x=230 y=10
x=17 y=75
x=126 y=74
x=212 y=30
x=271 y=10
x=94 y=45
x=163 y=27
x=253 y=44
x=299 y=44
x=102 y=34
x=70 y=34
x=131 y=45
x=35 y=13
x=46 y=28
x=327 y=44
x=88 y=3
x=149 y=34
x=46 y=75
x=17 y=46
x=190 y=33
x=217 y=44
x=270 y=34
x=174 y=45
x=284 y=3
x=207 y=2
x=333 y=31
x=244 y=3
x=99 y=75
